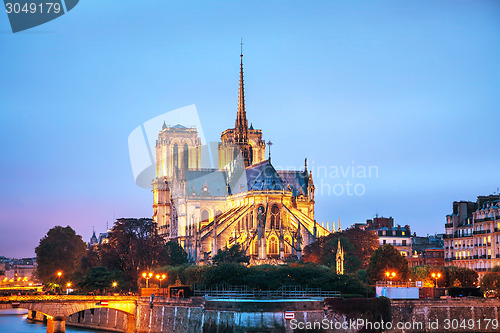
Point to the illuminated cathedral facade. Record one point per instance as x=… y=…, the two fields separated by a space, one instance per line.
x=245 y=200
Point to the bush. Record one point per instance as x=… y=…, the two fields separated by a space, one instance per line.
x=267 y=277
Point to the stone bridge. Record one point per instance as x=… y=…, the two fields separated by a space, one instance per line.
x=57 y=307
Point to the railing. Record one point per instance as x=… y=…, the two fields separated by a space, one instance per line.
x=448 y=225
x=243 y=292
x=396 y=284
x=44 y=298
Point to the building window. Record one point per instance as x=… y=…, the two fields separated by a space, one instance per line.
x=275 y=217
x=255 y=248
x=204 y=216
x=384 y=242
x=404 y=242
x=273 y=245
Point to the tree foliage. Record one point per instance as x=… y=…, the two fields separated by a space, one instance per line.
x=234 y=254
x=387 y=258
x=491 y=281
x=173 y=254
x=460 y=277
x=324 y=252
x=358 y=246
x=101 y=279
x=265 y=277
x=60 y=250
x=365 y=243
x=451 y=276
x=424 y=273
x=134 y=245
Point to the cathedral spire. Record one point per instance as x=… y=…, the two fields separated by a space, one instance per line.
x=241 y=125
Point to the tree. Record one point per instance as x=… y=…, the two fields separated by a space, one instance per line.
x=235 y=254
x=134 y=246
x=387 y=258
x=460 y=277
x=424 y=273
x=60 y=250
x=324 y=252
x=365 y=243
x=101 y=279
x=173 y=254
x=491 y=281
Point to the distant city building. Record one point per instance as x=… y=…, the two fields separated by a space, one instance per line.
x=102 y=239
x=399 y=237
x=473 y=234
x=427 y=251
x=18 y=269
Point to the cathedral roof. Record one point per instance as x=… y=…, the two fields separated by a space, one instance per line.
x=207 y=182
x=259 y=177
x=296 y=179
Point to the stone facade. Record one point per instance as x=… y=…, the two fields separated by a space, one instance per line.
x=472 y=236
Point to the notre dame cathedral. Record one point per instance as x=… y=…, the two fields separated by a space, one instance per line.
x=269 y=212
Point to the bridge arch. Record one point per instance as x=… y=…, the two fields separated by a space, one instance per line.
x=58 y=308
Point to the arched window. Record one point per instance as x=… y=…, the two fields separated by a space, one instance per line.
x=287 y=244
x=204 y=216
x=275 y=217
x=273 y=245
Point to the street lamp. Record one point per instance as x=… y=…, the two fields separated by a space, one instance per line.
x=59 y=274
x=436 y=276
x=147 y=276
x=390 y=275
x=68 y=285
x=161 y=278
x=114 y=286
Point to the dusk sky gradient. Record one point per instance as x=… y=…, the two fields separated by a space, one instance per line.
x=410 y=87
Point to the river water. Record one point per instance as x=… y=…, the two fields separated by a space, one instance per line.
x=15 y=321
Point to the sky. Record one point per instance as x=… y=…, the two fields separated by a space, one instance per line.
x=406 y=89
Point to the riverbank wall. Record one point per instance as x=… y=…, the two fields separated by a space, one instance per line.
x=331 y=315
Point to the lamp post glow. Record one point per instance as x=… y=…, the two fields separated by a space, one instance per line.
x=436 y=276
x=147 y=276
x=161 y=278
x=390 y=275
x=59 y=274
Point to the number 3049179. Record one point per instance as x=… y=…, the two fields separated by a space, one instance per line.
x=33 y=8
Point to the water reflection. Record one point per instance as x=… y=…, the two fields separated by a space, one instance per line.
x=16 y=321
